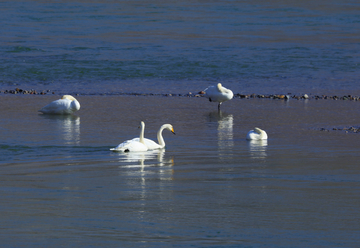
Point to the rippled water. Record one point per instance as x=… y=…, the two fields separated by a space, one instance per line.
x=140 y=46
x=61 y=186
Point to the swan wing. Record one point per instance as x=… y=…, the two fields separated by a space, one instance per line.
x=150 y=144
x=130 y=146
x=252 y=135
x=61 y=106
x=218 y=93
x=255 y=135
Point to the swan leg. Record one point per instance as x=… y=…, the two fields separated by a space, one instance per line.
x=219 y=106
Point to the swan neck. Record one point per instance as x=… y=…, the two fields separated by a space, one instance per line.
x=160 y=137
x=261 y=134
x=141 y=139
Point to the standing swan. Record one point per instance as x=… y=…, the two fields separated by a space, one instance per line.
x=256 y=134
x=152 y=145
x=64 y=106
x=133 y=145
x=218 y=94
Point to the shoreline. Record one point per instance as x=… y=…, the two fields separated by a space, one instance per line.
x=350 y=127
x=189 y=94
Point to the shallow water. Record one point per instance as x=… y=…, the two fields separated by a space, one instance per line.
x=61 y=186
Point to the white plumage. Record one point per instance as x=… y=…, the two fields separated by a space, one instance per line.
x=152 y=145
x=133 y=145
x=218 y=94
x=64 y=106
x=256 y=134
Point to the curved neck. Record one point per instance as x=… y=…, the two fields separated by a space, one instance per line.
x=160 y=137
x=261 y=134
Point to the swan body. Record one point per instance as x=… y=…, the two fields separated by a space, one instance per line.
x=152 y=145
x=256 y=134
x=64 y=106
x=218 y=94
x=133 y=145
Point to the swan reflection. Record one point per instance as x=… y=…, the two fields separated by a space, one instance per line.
x=68 y=126
x=147 y=164
x=224 y=129
x=258 y=148
x=138 y=159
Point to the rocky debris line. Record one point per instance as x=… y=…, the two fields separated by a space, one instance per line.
x=345 y=129
x=190 y=94
x=299 y=97
x=30 y=92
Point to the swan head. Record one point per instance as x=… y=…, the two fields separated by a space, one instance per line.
x=71 y=98
x=142 y=124
x=171 y=129
x=75 y=105
x=168 y=127
x=229 y=94
x=261 y=132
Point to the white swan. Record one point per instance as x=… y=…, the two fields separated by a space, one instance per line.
x=256 y=134
x=218 y=94
x=133 y=145
x=152 y=145
x=64 y=106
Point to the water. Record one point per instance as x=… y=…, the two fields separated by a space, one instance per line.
x=61 y=185
x=261 y=47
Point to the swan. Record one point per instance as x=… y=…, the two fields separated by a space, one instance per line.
x=218 y=94
x=152 y=145
x=133 y=145
x=256 y=134
x=64 y=106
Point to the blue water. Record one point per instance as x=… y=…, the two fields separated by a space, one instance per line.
x=157 y=46
x=61 y=186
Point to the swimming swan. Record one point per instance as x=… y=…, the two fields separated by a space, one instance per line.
x=218 y=94
x=152 y=145
x=256 y=134
x=133 y=145
x=64 y=106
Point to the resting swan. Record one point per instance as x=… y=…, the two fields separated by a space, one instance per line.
x=64 y=106
x=152 y=145
x=256 y=134
x=133 y=145
x=218 y=94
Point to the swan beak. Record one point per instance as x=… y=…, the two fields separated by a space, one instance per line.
x=172 y=130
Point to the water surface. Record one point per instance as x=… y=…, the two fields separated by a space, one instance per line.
x=62 y=186
x=138 y=46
